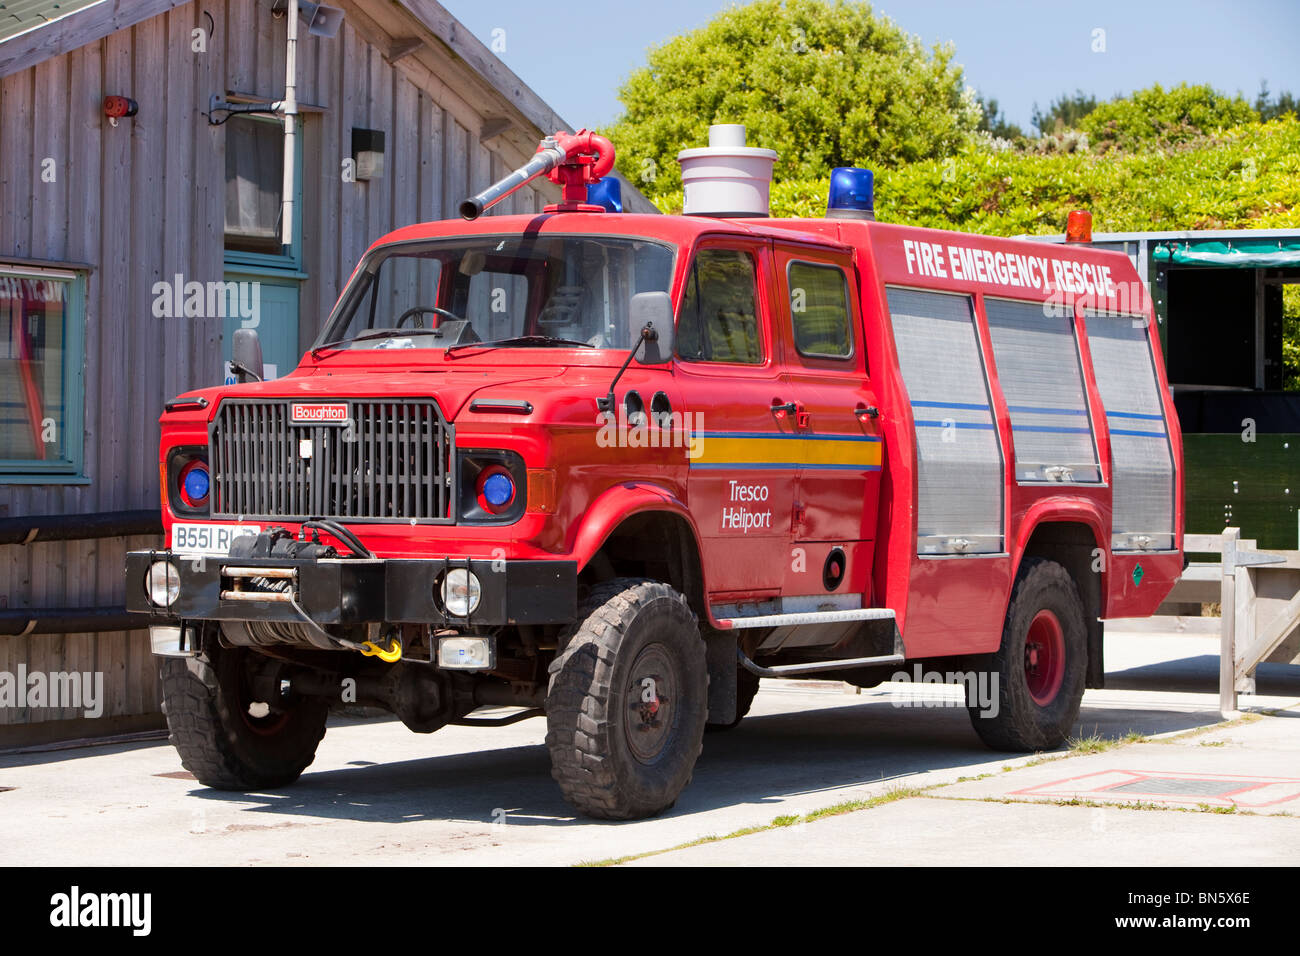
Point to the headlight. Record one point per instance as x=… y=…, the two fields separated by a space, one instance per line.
x=466 y=653
x=496 y=489
x=195 y=483
x=460 y=592
x=162 y=583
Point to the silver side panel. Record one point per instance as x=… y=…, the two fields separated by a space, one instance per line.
x=1037 y=357
x=1143 y=462
x=959 y=458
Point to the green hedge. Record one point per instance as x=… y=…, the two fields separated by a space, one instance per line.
x=1245 y=177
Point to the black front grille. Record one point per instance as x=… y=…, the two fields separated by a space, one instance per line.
x=389 y=461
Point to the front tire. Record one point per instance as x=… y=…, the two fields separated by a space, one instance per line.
x=219 y=741
x=1041 y=664
x=628 y=701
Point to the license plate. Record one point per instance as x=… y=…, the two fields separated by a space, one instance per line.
x=208 y=538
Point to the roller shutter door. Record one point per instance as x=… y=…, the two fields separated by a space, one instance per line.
x=1037 y=357
x=959 y=456
x=1142 y=459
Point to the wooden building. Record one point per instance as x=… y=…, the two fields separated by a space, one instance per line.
x=107 y=223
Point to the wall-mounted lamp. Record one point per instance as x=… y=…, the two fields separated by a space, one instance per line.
x=368 y=153
x=116 y=107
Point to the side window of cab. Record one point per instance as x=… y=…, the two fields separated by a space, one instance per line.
x=819 y=310
x=718 y=320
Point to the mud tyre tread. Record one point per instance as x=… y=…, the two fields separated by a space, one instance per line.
x=587 y=700
x=213 y=740
x=1021 y=724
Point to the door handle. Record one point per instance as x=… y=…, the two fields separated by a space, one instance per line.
x=802 y=417
x=869 y=412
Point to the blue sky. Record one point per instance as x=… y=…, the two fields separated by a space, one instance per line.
x=1014 y=51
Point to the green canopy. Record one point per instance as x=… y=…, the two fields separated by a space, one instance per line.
x=1233 y=253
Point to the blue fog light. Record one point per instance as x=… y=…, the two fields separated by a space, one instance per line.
x=498 y=489
x=197 y=484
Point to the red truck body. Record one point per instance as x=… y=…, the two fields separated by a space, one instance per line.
x=792 y=481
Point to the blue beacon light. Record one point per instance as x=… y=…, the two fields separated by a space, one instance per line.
x=607 y=193
x=852 y=194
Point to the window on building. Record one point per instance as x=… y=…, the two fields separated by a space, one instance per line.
x=254 y=185
x=719 y=314
x=42 y=321
x=819 y=310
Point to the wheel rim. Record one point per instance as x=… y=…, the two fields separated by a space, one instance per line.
x=1044 y=657
x=651 y=704
x=267 y=726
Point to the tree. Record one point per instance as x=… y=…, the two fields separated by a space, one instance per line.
x=1065 y=112
x=1270 y=108
x=823 y=84
x=1157 y=117
x=994 y=122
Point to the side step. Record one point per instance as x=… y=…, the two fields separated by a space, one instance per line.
x=806 y=618
x=783 y=670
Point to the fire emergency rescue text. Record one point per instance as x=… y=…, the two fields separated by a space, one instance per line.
x=1006 y=268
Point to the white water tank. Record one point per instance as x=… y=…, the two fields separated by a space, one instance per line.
x=726 y=178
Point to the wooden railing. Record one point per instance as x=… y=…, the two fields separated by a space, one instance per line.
x=1259 y=599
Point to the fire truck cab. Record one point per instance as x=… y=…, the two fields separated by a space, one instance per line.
x=611 y=469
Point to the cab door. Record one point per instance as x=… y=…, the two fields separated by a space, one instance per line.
x=837 y=418
x=744 y=456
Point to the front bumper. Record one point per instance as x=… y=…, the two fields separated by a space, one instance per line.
x=348 y=591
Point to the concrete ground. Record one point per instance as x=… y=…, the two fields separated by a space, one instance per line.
x=471 y=796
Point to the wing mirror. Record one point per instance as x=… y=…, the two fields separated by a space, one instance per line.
x=246 y=356
x=656 y=310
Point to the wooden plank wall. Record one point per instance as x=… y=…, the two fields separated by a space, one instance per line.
x=143 y=202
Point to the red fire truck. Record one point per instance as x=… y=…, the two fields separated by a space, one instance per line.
x=611 y=469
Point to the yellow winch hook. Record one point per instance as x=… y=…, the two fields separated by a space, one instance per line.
x=394 y=653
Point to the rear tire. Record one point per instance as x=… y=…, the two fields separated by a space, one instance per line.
x=627 y=702
x=1041 y=663
x=219 y=741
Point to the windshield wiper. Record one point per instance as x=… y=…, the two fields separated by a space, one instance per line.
x=547 y=340
x=376 y=334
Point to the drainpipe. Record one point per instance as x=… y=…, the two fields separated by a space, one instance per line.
x=290 y=124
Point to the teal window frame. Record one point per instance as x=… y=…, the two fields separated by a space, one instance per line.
x=71 y=468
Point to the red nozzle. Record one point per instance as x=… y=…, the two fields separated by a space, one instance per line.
x=588 y=157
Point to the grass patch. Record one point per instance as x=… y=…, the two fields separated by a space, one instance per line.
x=1136 y=805
x=849 y=806
x=1198 y=731
x=786 y=820
x=1095 y=743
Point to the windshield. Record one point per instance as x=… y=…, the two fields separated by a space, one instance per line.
x=490 y=289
